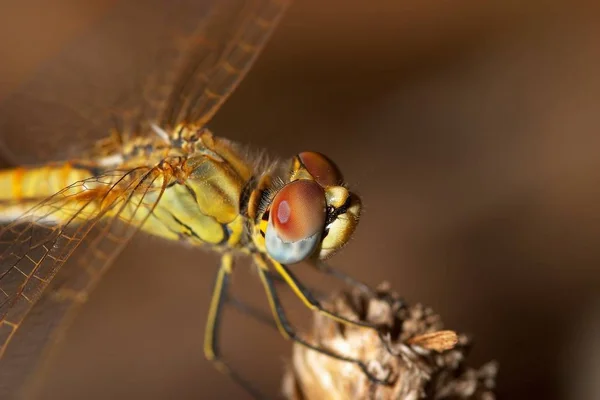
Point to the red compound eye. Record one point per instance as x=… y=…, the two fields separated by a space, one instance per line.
x=298 y=210
x=321 y=168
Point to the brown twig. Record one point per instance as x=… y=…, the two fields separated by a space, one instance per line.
x=428 y=362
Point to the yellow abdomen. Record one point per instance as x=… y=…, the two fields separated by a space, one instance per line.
x=22 y=188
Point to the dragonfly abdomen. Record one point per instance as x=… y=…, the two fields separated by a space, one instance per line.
x=22 y=188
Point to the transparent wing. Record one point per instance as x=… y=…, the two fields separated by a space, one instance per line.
x=106 y=210
x=95 y=83
x=145 y=61
x=208 y=78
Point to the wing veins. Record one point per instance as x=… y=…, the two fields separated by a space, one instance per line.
x=56 y=234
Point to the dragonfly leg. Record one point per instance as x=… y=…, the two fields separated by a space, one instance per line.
x=353 y=282
x=311 y=302
x=259 y=315
x=211 y=348
x=288 y=331
x=252 y=312
x=343 y=277
x=278 y=280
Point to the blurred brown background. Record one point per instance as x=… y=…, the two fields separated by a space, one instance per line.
x=471 y=131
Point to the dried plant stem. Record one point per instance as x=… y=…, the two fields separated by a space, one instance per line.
x=428 y=362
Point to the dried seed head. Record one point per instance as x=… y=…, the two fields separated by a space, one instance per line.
x=427 y=361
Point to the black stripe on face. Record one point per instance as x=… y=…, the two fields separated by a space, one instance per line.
x=265 y=216
x=333 y=213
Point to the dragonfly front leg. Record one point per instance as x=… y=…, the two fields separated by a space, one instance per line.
x=288 y=331
x=257 y=314
x=311 y=302
x=342 y=276
x=213 y=323
x=355 y=283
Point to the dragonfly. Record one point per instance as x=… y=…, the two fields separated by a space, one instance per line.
x=154 y=166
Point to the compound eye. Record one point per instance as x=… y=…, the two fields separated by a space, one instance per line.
x=296 y=221
x=322 y=169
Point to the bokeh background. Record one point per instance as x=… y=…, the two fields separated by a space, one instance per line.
x=469 y=128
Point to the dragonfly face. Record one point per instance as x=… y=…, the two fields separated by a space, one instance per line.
x=312 y=215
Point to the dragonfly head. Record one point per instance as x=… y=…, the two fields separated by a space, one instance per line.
x=311 y=216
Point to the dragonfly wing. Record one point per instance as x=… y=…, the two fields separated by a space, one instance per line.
x=37 y=250
x=144 y=61
x=219 y=58
x=94 y=83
